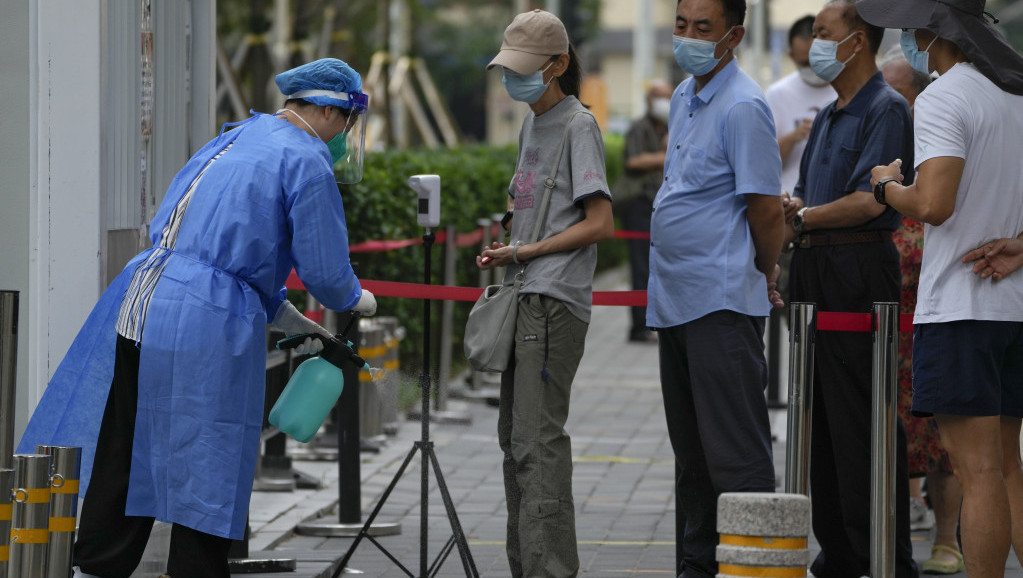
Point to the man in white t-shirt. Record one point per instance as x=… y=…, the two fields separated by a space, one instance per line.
x=968 y=331
x=795 y=100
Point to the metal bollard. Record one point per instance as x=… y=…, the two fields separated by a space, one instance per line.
x=30 y=516
x=6 y=484
x=882 y=440
x=763 y=534
x=393 y=334
x=67 y=468
x=8 y=373
x=373 y=350
x=802 y=333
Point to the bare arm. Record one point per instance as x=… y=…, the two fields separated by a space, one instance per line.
x=932 y=198
x=597 y=225
x=766 y=222
x=645 y=161
x=853 y=209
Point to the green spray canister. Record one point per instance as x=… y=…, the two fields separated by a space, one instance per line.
x=314 y=387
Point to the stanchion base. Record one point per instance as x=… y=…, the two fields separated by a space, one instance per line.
x=317 y=455
x=304 y=481
x=451 y=416
x=273 y=484
x=336 y=530
x=254 y=566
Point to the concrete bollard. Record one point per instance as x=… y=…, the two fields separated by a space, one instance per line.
x=6 y=485
x=763 y=534
x=67 y=467
x=30 y=516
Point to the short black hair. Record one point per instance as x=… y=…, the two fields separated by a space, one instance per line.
x=802 y=28
x=734 y=10
x=853 y=21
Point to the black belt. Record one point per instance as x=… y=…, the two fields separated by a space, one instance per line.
x=825 y=239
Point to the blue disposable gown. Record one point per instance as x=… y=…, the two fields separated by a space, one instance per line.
x=269 y=204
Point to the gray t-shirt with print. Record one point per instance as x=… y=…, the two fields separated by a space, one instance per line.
x=565 y=275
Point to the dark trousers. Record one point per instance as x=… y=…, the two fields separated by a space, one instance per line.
x=848 y=278
x=110 y=544
x=713 y=375
x=636 y=217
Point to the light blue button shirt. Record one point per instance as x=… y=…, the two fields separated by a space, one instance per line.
x=721 y=146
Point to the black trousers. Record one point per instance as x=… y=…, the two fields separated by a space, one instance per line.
x=713 y=375
x=848 y=278
x=636 y=217
x=110 y=544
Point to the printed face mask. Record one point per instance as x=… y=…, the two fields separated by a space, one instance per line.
x=696 y=56
x=918 y=59
x=824 y=58
x=527 y=88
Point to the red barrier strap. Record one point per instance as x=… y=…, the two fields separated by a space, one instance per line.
x=631 y=235
x=461 y=240
x=826 y=321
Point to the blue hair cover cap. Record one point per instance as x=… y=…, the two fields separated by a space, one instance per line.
x=324 y=82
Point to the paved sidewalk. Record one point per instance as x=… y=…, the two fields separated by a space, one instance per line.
x=625 y=510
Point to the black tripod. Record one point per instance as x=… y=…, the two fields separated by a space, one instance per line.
x=425 y=446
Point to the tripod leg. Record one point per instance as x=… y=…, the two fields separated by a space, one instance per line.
x=376 y=510
x=442 y=556
x=463 y=547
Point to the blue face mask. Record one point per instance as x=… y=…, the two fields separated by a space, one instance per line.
x=696 y=56
x=527 y=88
x=824 y=58
x=917 y=58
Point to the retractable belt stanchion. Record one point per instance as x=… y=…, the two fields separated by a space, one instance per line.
x=882 y=440
x=67 y=467
x=8 y=373
x=30 y=517
x=802 y=333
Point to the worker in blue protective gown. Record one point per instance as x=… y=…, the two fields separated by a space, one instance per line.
x=176 y=347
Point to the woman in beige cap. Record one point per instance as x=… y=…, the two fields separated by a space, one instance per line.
x=561 y=156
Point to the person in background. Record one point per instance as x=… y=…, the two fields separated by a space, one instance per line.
x=795 y=100
x=845 y=261
x=541 y=69
x=927 y=457
x=716 y=233
x=645 y=145
x=177 y=344
x=968 y=332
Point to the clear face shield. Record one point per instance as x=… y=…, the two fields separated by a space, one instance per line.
x=347 y=148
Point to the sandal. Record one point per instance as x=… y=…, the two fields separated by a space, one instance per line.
x=944 y=560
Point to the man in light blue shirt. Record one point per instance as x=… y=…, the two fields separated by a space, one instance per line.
x=716 y=234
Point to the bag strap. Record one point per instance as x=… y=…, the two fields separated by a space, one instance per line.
x=549 y=183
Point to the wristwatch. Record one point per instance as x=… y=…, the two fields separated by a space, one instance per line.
x=879 y=189
x=798 y=222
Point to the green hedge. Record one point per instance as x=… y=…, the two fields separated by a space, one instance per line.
x=474 y=183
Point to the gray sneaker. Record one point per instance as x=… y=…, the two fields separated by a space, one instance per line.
x=920 y=517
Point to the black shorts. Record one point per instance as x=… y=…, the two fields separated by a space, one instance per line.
x=972 y=368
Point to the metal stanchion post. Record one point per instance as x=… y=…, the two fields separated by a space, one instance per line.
x=30 y=516
x=8 y=373
x=67 y=466
x=802 y=332
x=443 y=414
x=882 y=440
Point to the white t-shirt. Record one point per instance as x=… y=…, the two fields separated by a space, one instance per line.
x=792 y=101
x=963 y=114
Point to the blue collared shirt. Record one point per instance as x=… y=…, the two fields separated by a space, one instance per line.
x=721 y=146
x=874 y=128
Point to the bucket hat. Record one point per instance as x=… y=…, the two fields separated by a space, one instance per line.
x=531 y=39
x=962 y=22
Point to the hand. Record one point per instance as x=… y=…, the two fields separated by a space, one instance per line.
x=291 y=322
x=996 y=259
x=367 y=304
x=309 y=347
x=802 y=130
x=791 y=205
x=879 y=172
x=772 y=288
x=498 y=255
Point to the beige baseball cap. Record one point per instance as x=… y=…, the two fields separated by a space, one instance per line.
x=530 y=40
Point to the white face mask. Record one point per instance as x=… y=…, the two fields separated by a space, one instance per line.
x=659 y=108
x=810 y=77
